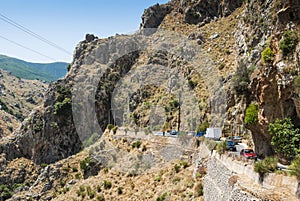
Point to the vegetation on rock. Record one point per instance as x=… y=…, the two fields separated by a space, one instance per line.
x=62 y=107
x=241 y=80
x=295 y=167
x=202 y=127
x=265 y=166
x=288 y=42
x=267 y=55
x=285 y=138
x=251 y=116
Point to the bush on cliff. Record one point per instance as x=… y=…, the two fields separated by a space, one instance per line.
x=285 y=138
x=251 y=116
x=288 y=42
x=63 y=107
x=267 y=55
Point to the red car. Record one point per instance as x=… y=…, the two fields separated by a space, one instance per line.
x=248 y=153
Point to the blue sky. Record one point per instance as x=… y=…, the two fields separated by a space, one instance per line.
x=65 y=23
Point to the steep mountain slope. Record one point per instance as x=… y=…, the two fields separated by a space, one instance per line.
x=45 y=72
x=17 y=98
x=208 y=62
x=261 y=40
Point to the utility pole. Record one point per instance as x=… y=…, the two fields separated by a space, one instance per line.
x=179 y=105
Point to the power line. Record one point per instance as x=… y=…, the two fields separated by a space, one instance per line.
x=28 y=31
x=27 y=48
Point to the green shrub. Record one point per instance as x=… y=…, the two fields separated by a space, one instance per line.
x=62 y=107
x=174 y=104
x=241 y=80
x=5 y=192
x=120 y=190
x=221 y=147
x=198 y=190
x=288 y=42
x=84 y=163
x=267 y=165
x=177 y=168
x=43 y=165
x=38 y=127
x=184 y=164
x=202 y=127
x=251 y=116
x=211 y=144
x=114 y=130
x=162 y=197
x=15 y=186
x=267 y=55
x=136 y=144
x=107 y=184
x=98 y=187
x=157 y=178
x=295 y=167
x=90 y=192
x=109 y=126
x=285 y=138
x=81 y=191
x=100 y=197
x=106 y=170
x=192 y=84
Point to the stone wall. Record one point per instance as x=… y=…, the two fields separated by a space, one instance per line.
x=220 y=184
x=229 y=179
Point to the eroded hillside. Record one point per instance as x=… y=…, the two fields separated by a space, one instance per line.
x=17 y=98
x=191 y=62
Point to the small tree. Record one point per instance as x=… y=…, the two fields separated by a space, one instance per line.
x=241 y=80
x=288 y=42
x=202 y=127
x=285 y=138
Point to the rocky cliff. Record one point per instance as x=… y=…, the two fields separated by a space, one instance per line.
x=191 y=62
x=264 y=25
x=58 y=128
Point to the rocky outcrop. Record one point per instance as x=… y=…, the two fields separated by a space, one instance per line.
x=271 y=83
x=154 y=15
x=203 y=11
x=51 y=132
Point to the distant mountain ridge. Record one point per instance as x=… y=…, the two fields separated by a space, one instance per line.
x=27 y=70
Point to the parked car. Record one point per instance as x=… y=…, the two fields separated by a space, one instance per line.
x=248 y=153
x=230 y=145
x=237 y=139
x=173 y=132
x=200 y=134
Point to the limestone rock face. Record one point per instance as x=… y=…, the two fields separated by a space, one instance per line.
x=203 y=11
x=154 y=15
x=271 y=84
x=80 y=105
